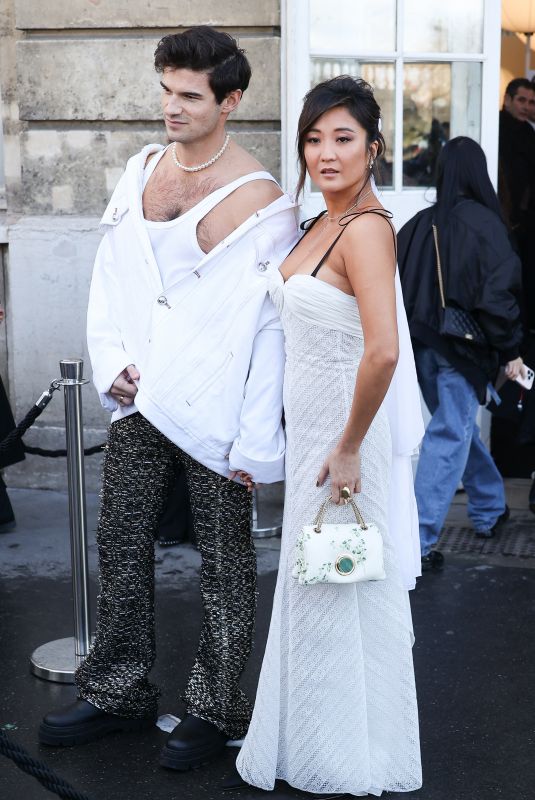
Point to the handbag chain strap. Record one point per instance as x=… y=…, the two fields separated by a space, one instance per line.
x=323 y=510
x=439 y=267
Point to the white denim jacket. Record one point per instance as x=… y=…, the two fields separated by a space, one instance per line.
x=210 y=348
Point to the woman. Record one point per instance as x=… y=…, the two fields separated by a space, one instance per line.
x=481 y=274
x=336 y=706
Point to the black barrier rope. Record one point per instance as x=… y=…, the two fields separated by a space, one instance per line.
x=38 y=770
x=35 y=411
x=38 y=451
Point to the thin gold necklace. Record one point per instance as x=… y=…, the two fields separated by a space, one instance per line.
x=355 y=204
x=328 y=219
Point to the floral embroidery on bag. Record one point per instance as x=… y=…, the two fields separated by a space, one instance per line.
x=356 y=546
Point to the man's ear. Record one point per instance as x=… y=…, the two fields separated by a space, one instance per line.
x=231 y=101
x=507 y=101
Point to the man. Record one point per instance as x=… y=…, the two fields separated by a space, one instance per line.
x=531 y=107
x=187 y=352
x=517 y=194
x=519 y=99
x=517 y=179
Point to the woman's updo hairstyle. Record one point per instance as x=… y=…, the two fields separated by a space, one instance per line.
x=356 y=96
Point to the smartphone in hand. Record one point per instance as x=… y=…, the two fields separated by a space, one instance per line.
x=526 y=382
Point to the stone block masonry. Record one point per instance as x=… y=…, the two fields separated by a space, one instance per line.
x=79 y=96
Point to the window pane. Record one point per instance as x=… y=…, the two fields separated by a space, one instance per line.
x=381 y=77
x=454 y=26
x=352 y=26
x=440 y=101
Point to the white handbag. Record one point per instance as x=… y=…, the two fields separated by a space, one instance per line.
x=339 y=552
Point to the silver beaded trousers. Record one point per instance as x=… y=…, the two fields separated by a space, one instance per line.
x=138 y=467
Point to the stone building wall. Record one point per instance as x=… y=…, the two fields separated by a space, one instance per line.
x=79 y=95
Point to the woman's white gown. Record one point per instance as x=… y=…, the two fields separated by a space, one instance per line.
x=336 y=704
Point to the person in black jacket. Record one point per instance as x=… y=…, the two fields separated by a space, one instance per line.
x=517 y=180
x=481 y=274
x=7 y=457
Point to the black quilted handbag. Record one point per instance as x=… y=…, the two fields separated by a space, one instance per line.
x=456 y=322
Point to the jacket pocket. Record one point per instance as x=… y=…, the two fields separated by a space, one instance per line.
x=202 y=388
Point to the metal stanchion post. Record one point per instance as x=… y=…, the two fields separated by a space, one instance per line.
x=57 y=661
x=256 y=531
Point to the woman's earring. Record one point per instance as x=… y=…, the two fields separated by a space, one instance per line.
x=370 y=163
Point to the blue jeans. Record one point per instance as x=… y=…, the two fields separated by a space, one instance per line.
x=452 y=451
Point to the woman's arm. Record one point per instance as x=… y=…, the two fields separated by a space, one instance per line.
x=369 y=258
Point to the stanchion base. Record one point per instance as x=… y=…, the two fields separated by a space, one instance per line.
x=266 y=533
x=55 y=661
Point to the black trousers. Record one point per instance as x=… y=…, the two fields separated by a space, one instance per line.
x=138 y=467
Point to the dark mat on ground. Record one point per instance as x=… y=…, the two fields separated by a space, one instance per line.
x=474 y=657
x=517 y=538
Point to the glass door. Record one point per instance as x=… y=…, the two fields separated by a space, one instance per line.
x=434 y=67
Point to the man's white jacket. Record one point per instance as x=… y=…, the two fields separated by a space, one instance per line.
x=210 y=348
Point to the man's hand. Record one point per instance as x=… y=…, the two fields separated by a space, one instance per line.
x=123 y=388
x=2 y=313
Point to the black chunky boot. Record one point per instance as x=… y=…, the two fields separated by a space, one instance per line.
x=193 y=742
x=82 y=722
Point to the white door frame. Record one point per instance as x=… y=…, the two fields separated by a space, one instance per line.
x=295 y=73
x=295 y=79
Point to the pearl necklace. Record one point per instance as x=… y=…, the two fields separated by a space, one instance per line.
x=206 y=163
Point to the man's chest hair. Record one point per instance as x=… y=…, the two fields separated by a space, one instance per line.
x=165 y=199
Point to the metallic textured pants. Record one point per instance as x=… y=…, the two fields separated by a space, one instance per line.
x=138 y=467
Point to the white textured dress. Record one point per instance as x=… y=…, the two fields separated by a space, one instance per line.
x=336 y=704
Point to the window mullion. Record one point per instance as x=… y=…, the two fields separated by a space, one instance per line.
x=398 y=126
x=295 y=74
x=447 y=57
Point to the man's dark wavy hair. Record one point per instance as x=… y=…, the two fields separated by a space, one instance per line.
x=518 y=83
x=203 y=49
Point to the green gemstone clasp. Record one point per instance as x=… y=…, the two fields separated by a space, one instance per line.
x=345 y=564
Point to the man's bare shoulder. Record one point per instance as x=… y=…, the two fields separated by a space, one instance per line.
x=243 y=161
x=259 y=190
x=250 y=198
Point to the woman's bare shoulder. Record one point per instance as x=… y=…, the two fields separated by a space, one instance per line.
x=373 y=224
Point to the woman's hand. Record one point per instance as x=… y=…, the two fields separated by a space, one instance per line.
x=343 y=466
x=245 y=478
x=515 y=368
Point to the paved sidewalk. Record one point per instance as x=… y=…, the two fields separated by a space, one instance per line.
x=474 y=657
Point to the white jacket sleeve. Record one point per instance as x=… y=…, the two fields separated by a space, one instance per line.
x=259 y=449
x=106 y=350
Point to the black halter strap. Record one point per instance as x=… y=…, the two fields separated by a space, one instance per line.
x=304 y=226
x=380 y=212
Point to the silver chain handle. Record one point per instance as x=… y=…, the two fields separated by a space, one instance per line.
x=318 y=522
